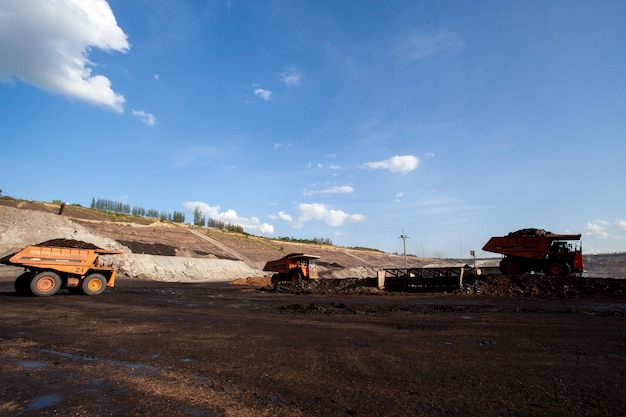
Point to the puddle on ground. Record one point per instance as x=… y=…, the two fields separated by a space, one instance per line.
x=44 y=401
x=31 y=364
x=133 y=366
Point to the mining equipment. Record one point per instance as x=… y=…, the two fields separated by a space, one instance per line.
x=536 y=250
x=48 y=269
x=293 y=267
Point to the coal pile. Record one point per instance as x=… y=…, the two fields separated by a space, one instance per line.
x=530 y=233
x=326 y=286
x=542 y=286
x=57 y=243
x=68 y=243
x=487 y=285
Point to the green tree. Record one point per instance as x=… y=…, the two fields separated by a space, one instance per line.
x=178 y=217
x=198 y=218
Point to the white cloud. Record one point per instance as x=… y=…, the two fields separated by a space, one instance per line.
x=46 y=44
x=340 y=189
x=147 y=118
x=422 y=46
x=251 y=224
x=291 y=77
x=396 y=164
x=598 y=228
x=157 y=77
x=263 y=94
x=316 y=211
x=398 y=197
x=284 y=216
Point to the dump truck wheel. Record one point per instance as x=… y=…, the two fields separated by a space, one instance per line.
x=510 y=266
x=296 y=275
x=93 y=284
x=22 y=283
x=557 y=268
x=275 y=279
x=45 y=284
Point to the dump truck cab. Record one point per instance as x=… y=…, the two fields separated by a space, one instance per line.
x=293 y=267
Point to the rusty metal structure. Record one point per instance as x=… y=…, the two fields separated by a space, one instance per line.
x=428 y=278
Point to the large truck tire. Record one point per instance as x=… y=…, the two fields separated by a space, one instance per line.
x=22 y=283
x=296 y=275
x=557 y=268
x=45 y=284
x=510 y=266
x=93 y=284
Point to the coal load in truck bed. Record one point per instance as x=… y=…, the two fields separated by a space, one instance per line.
x=68 y=243
x=57 y=243
x=530 y=233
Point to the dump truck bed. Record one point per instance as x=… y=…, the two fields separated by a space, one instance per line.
x=530 y=247
x=71 y=260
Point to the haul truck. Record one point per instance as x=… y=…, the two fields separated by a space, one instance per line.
x=49 y=269
x=293 y=267
x=537 y=250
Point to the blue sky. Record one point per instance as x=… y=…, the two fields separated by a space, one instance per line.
x=356 y=121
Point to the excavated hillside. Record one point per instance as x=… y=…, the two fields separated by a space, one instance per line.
x=175 y=252
x=164 y=251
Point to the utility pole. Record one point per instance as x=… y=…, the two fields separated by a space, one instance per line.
x=404 y=238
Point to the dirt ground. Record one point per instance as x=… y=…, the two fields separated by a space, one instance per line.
x=215 y=349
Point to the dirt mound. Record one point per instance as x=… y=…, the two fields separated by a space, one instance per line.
x=541 y=285
x=491 y=285
x=253 y=281
x=327 y=286
x=149 y=248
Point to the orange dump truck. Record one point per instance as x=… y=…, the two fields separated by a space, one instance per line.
x=49 y=269
x=293 y=267
x=537 y=250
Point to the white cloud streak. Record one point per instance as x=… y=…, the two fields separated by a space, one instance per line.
x=603 y=229
x=339 y=189
x=146 y=118
x=291 y=77
x=320 y=212
x=264 y=94
x=46 y=44
x=422 y=46
x=251 y=224
x=396 y=164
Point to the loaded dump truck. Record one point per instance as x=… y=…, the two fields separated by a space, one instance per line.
x=49 y=269
x=537 y=250
x=293 y=267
